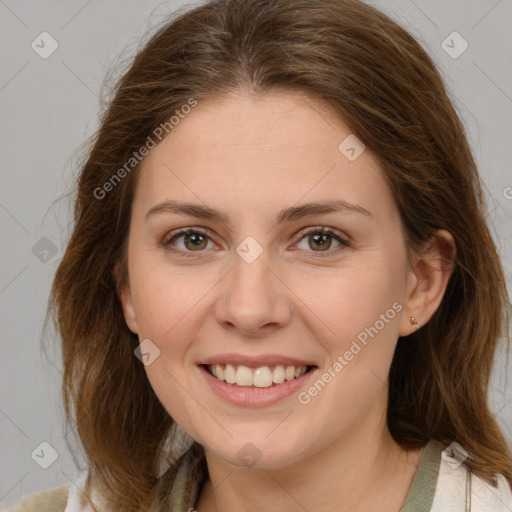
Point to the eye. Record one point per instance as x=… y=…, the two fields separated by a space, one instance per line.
x=190 y=240
x=193 y=240
x=320 y=239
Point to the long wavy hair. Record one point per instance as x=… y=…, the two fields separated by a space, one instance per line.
x=386 y=88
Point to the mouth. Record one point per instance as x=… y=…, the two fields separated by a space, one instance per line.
x=259 y=377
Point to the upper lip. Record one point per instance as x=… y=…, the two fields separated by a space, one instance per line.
x=255 y=361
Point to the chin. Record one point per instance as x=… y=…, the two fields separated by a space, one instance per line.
x=259 y=452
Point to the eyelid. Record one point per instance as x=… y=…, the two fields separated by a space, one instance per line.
x=343 y=238
x=183 y=231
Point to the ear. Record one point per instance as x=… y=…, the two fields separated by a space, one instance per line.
x=125 y=297
x=427 y=279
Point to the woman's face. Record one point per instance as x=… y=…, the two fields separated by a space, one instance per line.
x=260 y=285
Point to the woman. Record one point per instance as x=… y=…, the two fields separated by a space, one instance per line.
x=280 y=249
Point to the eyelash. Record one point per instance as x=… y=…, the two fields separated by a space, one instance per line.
x=344 y=243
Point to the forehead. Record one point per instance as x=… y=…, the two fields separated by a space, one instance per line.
x=260 y=151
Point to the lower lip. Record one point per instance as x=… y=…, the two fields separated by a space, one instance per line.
x=246 y=396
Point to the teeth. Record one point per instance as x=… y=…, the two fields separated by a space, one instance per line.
x=261 y=377
x=219 y=372
x=229 y=374
x=278 y=374
x=243 y=376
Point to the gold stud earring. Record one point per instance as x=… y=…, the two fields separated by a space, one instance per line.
x=414 y=322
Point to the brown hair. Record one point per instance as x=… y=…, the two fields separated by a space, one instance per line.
x=378 y=78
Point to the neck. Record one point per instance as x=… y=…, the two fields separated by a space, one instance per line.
x=361 y=470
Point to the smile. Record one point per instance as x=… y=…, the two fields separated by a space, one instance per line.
x=260 y=377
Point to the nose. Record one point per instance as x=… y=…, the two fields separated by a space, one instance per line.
x=253 y=299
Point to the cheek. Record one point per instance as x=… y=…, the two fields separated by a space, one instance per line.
x=358 y=318
x=164 y=296
x=167 y=304
x=350 y=302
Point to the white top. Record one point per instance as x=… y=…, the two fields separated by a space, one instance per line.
x=454 y=483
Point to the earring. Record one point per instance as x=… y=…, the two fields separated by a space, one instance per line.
x=414 y=322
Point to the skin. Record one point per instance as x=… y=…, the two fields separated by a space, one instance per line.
x=251 y=157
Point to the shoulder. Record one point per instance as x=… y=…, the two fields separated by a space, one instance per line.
x=53 y=500
x=67 y=498
x=487 y=497
x=457 y=485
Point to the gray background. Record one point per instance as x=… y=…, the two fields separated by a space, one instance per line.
x=49 y=107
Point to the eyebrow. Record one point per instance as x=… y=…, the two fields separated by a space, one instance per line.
x=289 y=214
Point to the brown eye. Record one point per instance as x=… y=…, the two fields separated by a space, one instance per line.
x=195 y=241
x=321 y=240
x=188 y=240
